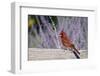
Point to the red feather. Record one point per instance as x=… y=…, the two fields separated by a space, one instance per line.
x=67 y=42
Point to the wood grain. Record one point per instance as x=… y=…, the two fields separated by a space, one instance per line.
x=51 y=54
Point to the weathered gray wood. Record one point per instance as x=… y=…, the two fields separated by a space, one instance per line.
x=49 y=54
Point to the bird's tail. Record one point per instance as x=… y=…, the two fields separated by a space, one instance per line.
x=75 y=49
x=76 y=55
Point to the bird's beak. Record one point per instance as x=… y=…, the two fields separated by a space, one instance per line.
x=59 y=35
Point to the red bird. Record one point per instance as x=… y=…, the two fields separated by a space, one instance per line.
x=68 y=44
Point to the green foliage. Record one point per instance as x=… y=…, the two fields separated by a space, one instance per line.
x=31 y=20
x=54 y=19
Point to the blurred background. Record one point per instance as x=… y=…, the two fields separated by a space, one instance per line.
x=44 y=31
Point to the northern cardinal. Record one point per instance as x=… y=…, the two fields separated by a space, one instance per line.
x=68 y=44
